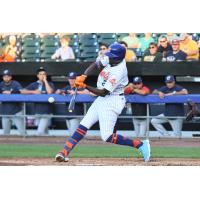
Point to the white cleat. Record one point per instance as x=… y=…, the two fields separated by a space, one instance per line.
x=145 y=149
x=60 y=157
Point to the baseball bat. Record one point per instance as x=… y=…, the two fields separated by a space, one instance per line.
x=72 y=101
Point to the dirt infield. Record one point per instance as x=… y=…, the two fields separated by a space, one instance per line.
x=193 y=142
x=100 y=162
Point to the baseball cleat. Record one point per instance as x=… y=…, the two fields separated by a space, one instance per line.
x=145 y=149
x=60 y=157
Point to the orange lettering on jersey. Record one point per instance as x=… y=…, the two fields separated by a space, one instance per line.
x=104 y=75
x=113 y=81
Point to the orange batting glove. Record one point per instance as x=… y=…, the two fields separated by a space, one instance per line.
x=79 y=82
x=81 y=78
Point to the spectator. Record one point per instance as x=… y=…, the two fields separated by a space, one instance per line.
x=132 y=41
x=145 y=41
x=189 y=46
x=175 y=54
x=9 y=86
x=138 y=109
x=64 y=52
x=152 y=54
x=73 y=123
x=11 y=51
x=103 y=48
x=171 y=36
x=41 y=86
x=130 y=55
x=164 y=45
x=173 y=110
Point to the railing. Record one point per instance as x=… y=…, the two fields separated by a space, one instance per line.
x=148 y=99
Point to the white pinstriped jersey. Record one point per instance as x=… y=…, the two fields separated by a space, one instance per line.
x=113 y=79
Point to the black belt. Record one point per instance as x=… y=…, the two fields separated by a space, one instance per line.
x=122 y=94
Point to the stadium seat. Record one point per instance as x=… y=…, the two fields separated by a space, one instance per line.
x=31 y=50
x=120 y=36
x=155 y=37
x=90 y=49
x=76 y=52
x=88 y=43
x=30 y=38
x=137 y=51
x=87 y=36
x=51 y=43
x=49 y=49
x=74 y=42
x=106 y=35
x=107 y=40
x=88 y=54
x=31 y=57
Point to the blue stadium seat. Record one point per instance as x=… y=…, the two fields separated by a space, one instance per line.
x=120 y=36
x=107 y=40
x=88 y=43
x=90 y=49
x=31 y=49
x=107 y=35
x=77 y=52
x=87 y=36
x=137 y=51
x=88 y=54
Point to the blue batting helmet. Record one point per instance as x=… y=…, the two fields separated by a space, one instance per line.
x=117 y=52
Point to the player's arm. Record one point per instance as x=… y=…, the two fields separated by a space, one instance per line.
x=99 y=92
x=93 y=67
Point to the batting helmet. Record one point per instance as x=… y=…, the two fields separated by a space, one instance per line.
x=117 y=52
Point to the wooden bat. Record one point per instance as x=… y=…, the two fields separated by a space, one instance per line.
x=72 y=101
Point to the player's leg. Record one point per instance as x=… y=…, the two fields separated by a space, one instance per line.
x=107 y=123
x=143 y=127
x=157 y=123
x=72 y=124
x=43 y=125
x=88 y=121
x=19 y=123
x=136 y=127
x=6 y=125
x=176 y=125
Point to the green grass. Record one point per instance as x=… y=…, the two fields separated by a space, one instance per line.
x=49 y=151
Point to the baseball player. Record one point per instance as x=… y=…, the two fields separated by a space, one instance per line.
x=9 y=86
x=107 y=107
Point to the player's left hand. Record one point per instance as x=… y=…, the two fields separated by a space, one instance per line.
x=79 y=84
x=81 y=78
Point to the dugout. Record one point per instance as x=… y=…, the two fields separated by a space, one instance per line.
x=153 y=76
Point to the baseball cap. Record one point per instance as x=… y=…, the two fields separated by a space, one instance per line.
x=175 y=41
x=41 y=69
x=7 y=72
x=71 y=75
x=183 y=36
x=137 y=79
x=169 y=79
